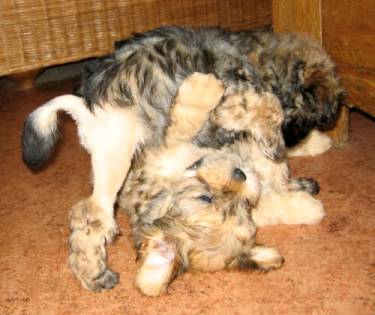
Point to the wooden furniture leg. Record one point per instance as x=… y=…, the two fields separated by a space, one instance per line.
x=340 y=134
x=25 y=80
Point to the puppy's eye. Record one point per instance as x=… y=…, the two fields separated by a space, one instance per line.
x=205 y=198
x=196 y=164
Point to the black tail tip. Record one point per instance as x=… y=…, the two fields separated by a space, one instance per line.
x=36 y=148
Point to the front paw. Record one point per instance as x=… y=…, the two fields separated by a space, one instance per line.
x=266 y=258
x=89 y=235
x=90 y=269
x=307 y=184
x=201 y=90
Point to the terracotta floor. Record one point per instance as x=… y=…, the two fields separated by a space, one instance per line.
x=329 y=269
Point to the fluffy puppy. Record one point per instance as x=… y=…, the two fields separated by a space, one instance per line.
x=190 y=207
x=126 y=106
x=202 y=215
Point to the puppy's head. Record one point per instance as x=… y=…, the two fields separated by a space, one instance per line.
x=218 y=181
x=304 y=78
x=315 y=102
x=209 y=202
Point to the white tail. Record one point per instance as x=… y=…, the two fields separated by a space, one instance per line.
x=40 y=129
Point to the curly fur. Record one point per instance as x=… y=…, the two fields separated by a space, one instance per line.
x=202 y=215
x=190 y=207
x=295 y=69
x=127 y=100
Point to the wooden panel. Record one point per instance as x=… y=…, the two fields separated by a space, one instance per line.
x=349 y=36
x=360 y=86
x=340 y=134
x=300 y=16
x=349 y=32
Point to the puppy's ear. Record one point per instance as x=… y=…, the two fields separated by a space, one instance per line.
x=259 y=114
x=158 y=206
x=322 y=83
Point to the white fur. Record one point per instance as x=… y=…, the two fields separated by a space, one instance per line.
x=263 y=253
x=44 y=118
x=174 y=163
x=110 y=134
x=315 y=143
x=288 y=208
x=156 y=269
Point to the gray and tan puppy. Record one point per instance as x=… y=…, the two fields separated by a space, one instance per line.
x=202 y=215
x=190 y=207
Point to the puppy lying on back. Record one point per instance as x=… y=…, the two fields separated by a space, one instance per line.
x=200 y=215
x=190 y=207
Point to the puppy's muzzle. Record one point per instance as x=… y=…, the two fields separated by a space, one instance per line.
x=239 y=175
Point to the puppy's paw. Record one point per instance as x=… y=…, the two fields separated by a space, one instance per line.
x=91 y=270
x=266 y=125
x=106 y=280
x=88 y=237
x=303 y=209
x=307 y=184
x=266 y=258
x=260 y=258
x=201 y=90
x=289 y=207
x=158 y=264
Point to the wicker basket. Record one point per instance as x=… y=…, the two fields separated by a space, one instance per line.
x=38 y=33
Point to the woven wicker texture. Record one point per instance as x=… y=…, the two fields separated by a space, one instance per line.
x=38 y=33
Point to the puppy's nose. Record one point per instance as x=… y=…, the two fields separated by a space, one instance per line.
x=239 y=175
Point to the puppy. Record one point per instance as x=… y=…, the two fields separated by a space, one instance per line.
x=190 y=207
x=126 y=106
x=202 y=216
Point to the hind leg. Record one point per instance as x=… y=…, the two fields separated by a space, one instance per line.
x=159 y=263
x=112 y=141
x=87 y=241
